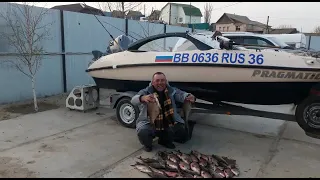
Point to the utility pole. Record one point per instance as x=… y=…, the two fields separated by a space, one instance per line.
x=268 y=25
x=170 y=14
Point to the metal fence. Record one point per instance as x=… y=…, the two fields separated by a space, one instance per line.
x=72 y=38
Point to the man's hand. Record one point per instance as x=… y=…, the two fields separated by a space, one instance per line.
x=191 y=98
x=148 y=98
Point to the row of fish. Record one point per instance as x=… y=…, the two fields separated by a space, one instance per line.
x=192 y=165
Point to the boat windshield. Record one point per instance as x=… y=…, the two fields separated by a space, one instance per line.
x=280 y=43
x=186 y=45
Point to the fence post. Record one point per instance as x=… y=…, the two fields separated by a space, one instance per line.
x=64 y=77
x=164 y=31
x=126 y=27
x=309 y=42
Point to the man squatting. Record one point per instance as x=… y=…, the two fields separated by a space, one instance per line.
x=168 y=126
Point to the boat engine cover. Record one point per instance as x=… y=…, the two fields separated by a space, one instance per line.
x=120 y=43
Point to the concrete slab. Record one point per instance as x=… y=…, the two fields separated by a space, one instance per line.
x=294 y=160
x=295 y=132
x=256 y=125
x=78 y=153
x=31 y=127
x=247 y=149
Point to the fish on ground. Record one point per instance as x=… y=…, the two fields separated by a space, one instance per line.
x=142 y=168
x=205 y=174
x=193 y=165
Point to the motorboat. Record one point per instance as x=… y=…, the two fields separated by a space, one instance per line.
x=217 y=70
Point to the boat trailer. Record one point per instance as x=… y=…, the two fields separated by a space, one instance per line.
x=88 y=97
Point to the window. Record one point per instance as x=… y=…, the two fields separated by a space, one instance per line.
x=251 y=41
x=236 y=39
x=227 y=28
x=262 y=42
x=257 y=41
x=180 y=19
x=237 y=28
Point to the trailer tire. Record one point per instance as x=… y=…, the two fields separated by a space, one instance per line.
x=308 y=115
x=127 y=113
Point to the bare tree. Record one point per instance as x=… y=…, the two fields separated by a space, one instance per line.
x=26 y=32
x=122 y=7
x=284 y=26
x=316 y=29
x=207 y=12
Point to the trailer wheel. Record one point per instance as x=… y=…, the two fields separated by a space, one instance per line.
x=308 y=115
x=127 y=113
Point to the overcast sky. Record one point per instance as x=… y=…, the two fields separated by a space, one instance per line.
x=304 y=16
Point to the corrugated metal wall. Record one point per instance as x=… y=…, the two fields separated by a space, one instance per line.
x=15 y=86
x=314 y=43
x=83 y=33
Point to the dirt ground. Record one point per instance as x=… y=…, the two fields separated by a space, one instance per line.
x=14 y=110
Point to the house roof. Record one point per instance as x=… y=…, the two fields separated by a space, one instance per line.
x=283 y=31
x=242 y=19
x=77 y=8
x=134 y=14
x=189 y=10
x=155 y=13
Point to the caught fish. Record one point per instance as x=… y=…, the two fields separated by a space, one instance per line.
x=196 y=153
x=228 y=173
x=173 y=158
x=162 y=162
x=205 y=157
x=147 y=160
x=186 y=113
x=220 y=160
x=193 y=158
x=171 y=174
x=172 y=165
x=186 y=175
x=184 y=157
x=156 y=175
x=162 y=155
x=156 y=165
x=184 y=166
x=142 y=168
x=205 y=174
x=195 y=167
x=197 y=176
x=157 y=170
x=235 y=171
x=203 y=163
x=229 y=161
x=153 y=110
x=218 y=173
x=212 y=160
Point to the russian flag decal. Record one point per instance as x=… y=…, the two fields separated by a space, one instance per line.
x=163 y=59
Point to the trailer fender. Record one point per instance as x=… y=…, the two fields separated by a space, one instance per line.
x=116 y=97
x=315 y=90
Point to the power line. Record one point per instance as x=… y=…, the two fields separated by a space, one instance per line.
x=226 y=6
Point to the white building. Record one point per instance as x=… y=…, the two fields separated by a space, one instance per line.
x=180 y=14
